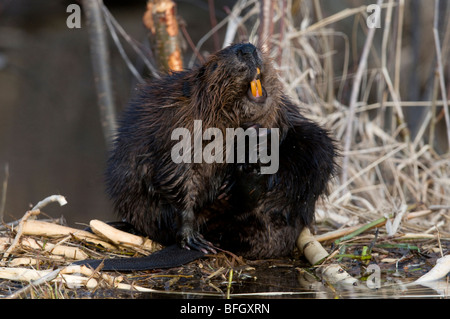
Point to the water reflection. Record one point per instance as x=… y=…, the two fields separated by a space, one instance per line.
x=295 y=283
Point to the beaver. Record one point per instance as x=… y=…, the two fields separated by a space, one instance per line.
x=203 y=206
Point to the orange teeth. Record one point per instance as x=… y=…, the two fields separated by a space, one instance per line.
x=259 y=87
x=256 y=86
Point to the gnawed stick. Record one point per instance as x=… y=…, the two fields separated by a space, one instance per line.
x=49 y=276
x=39 y=228
x=440 y=270
x=310 y=247
x=122 y=238
x=55 y=249
x=315 y=253
x=71 y=276
x=36 y=277
x=51 y=199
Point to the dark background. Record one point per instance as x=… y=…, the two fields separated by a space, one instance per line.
x=50 y=132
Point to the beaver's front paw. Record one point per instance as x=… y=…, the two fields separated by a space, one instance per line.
x=187 y=238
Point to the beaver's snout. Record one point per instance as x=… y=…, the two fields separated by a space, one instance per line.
x=248 y=54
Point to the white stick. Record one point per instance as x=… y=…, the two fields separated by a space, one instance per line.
x=51 y=199
x=314 y=252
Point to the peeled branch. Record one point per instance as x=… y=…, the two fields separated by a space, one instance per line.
x=60 y=250
x=119 y=237
x=440 y=270
x=315 y=253
x=40 y=228
x=310 y=247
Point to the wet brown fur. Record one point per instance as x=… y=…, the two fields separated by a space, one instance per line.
x=257 y=215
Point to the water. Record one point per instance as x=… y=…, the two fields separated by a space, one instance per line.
x=287 y=282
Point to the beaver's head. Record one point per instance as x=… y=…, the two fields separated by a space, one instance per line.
x=241 y=81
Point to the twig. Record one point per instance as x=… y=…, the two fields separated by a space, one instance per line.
x=376 y=223
x=213 y=21
x=119 y=46
x=33 y=212
x=191 y=44
x=51 y=199
x=237 y=9
x=132 y=43
x=19 y=232
x=4 y=189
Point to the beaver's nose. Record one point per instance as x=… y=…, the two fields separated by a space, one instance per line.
x=246 y=51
